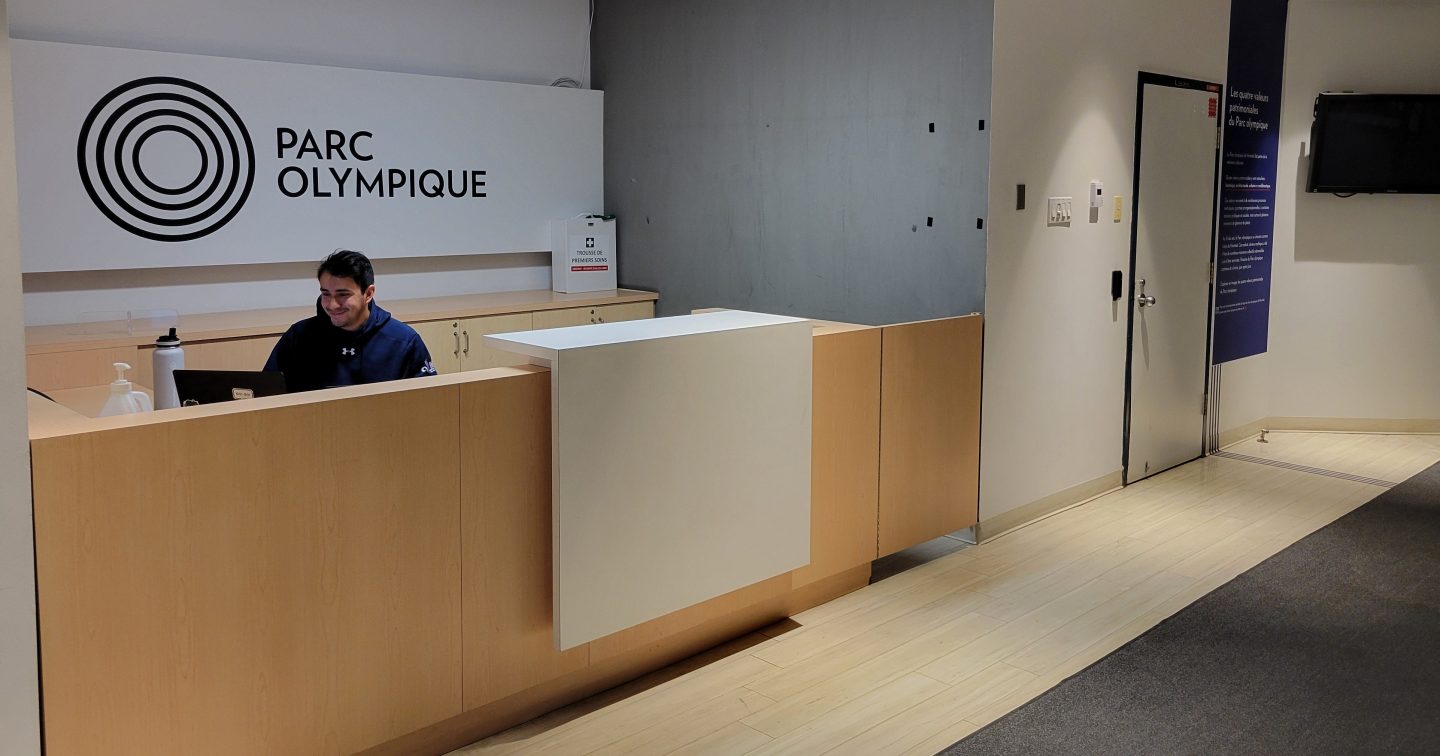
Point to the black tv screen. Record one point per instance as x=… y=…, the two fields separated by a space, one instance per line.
x=1375 y=143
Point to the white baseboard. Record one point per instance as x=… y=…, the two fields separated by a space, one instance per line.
x=1039 y=509
x=1332 y=425
x=1355 y=424
x=1236 y=435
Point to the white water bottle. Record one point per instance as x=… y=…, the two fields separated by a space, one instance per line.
x=168 y=358
x=123 y=398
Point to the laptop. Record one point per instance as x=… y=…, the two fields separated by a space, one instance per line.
x=210 y=386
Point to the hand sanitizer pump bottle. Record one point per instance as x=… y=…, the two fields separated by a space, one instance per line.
x=124 y=398
x=168 y=358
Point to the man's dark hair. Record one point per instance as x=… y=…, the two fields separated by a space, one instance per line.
x=346 y=263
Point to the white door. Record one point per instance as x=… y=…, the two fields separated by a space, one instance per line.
x=1174 y=204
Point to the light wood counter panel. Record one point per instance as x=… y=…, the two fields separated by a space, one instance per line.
x=250 y=581
x=505 y=528
x=228 y=354
x=88 y=367
x=161 y=417
x=929 y=430
x=323 y=573
x=457 y=345
x=222 y=354
x=274 y=321
x=87 y=401
x=53 y=415
x=845 y=451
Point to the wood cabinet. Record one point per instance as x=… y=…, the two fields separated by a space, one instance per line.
x=574 y=316
x=442 y=340
x=457 y=345
x=60 y=357
x=474 y=355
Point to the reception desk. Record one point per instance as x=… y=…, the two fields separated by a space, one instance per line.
x=368 y=569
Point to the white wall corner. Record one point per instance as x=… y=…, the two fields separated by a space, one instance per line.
x=19 y=675
x=1063 y=98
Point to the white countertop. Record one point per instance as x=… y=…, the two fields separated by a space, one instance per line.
x=548 y=343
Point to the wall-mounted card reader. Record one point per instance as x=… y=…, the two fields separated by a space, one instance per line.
x=1097 y=189
x=1115 y=285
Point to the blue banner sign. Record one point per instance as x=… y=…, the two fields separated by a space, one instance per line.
x=1247 y=179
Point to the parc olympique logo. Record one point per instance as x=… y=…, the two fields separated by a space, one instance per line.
x=166 y=159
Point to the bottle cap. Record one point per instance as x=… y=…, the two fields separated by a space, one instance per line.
x=168 y=340
x=120 y=385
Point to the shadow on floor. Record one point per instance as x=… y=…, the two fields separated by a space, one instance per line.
x=914 y=556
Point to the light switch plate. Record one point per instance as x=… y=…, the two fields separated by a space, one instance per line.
x=1058 y=210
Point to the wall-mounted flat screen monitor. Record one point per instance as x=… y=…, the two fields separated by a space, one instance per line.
x=1375 y=143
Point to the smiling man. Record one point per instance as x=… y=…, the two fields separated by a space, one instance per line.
x=350 y=339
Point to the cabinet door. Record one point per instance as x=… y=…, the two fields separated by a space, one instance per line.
x=561 y=318
x=442 y=338
x=474 y=355
x=629 y=311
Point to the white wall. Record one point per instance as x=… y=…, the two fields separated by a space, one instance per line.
x=1064 y=86
x=1355 y=328
x=19 y=683
x=66 y=297
x=526 y=41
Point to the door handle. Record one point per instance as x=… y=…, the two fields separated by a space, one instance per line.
x=467 y=342
x=1142 y=298
x=457 y=344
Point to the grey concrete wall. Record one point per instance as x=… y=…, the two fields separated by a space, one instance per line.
x=776 y=156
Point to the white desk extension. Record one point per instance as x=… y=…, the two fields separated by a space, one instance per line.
x=680 y=461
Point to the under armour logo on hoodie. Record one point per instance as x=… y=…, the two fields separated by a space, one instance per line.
x=347 y=351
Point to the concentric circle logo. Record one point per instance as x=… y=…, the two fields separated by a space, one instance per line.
x=166 y=159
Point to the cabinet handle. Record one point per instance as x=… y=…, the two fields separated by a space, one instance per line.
x=467 y=342
x=457 y=344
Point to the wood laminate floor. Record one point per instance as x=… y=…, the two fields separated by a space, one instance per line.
x=919 y=660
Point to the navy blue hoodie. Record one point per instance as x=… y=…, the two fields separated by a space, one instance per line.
x=314 y=354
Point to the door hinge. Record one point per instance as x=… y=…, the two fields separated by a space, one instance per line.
x=1212 y=272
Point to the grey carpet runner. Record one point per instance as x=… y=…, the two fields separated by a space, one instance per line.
x=1330 y=646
